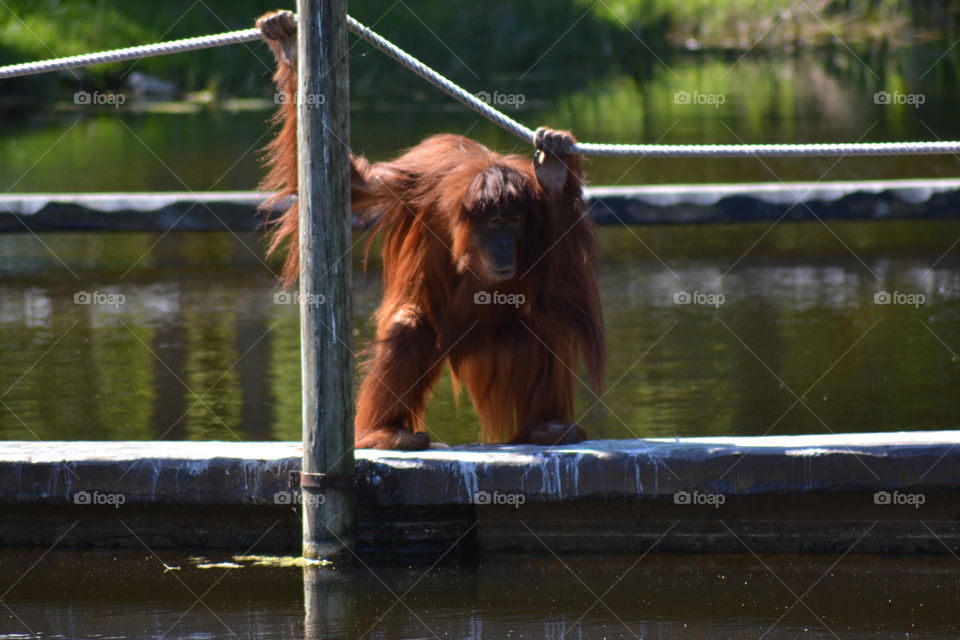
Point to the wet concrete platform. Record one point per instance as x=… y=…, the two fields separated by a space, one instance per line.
x=880 y=492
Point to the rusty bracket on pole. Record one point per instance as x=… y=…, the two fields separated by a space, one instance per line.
x=323 y=480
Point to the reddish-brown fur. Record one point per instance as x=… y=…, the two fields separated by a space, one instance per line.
x=517 y=363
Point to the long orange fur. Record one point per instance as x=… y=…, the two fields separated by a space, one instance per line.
x=516 y=363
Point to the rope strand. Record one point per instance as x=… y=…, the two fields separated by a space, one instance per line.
x=497 y=117
x=130 y=53
x=440 y=81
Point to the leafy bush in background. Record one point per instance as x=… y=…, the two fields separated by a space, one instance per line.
x=474 y=42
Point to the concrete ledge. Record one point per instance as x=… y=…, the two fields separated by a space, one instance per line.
x=785 y=493
x=163 y=211
x=657 y=468
x=147 y=473
x=660 y=204
x=793 y=201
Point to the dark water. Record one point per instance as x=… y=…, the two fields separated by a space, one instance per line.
x=65 y=594
x=190 y=343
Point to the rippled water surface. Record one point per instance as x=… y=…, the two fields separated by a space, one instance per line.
x=68 y=594
x=190 y=342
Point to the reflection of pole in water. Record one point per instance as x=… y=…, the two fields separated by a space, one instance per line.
x=328 y=602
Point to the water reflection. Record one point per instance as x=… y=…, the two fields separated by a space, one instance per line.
x=199 y=348
x=129 y=595
x=817 y=96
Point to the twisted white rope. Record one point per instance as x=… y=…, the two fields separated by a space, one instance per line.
x=440 y=81
x=130 y=53
x=816 y=149
x=497 y=117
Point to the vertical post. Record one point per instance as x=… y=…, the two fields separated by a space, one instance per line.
x=326 y=328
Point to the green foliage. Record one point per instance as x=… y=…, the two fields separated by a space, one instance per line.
x=777 y=24
x=468 y=40
x=38 y=29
